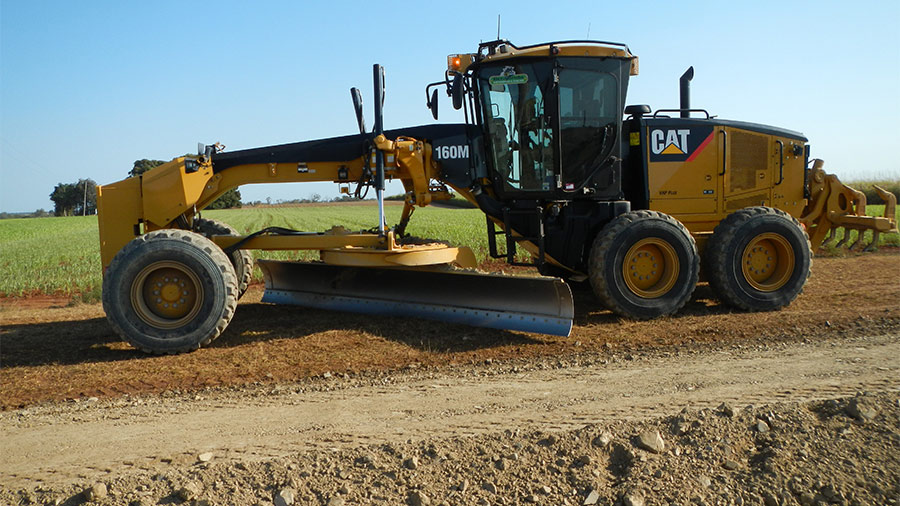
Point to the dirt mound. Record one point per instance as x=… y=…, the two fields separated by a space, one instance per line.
x=842 y=451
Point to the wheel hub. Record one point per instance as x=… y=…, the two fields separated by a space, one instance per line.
x=166 y=294
x=767 y=262
x=650 y=267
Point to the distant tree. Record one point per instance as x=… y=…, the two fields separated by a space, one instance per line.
x=229 y=199
x=40 y=213
x=75 y=199
x=141 y=166
x=315 y=197
x=87 y=188
x=65 y=198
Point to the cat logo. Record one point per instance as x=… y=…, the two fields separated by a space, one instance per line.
x=669 y=142
x=678 y=144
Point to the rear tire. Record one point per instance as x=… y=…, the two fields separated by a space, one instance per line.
x=241 y=260
x=644 y=265
x=758 y=259
x=169 y=291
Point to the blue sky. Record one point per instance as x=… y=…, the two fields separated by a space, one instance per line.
x=88 y=87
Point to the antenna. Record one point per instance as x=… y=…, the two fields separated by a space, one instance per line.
x=498 y=27
x=589 y=31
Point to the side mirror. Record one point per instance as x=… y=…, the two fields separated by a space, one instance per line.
x=358 y=107
x=433 y=104
x=456 y=91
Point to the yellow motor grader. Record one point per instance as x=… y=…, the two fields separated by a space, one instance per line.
x=628 y=199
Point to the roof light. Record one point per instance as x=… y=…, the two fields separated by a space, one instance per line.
x=454 y=62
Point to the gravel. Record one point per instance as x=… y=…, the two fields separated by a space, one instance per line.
x=807 y=455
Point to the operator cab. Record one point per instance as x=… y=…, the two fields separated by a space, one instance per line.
x=551 y=117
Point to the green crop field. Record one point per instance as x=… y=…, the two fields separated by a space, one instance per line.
x=61 y=255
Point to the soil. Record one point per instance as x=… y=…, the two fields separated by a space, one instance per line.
x=346 y=409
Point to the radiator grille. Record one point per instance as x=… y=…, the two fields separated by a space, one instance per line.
x=749 y=154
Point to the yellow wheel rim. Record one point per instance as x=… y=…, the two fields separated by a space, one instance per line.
x=166 y=294
x=768 y=262
x=650 y=268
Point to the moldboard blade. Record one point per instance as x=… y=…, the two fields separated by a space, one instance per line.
x=531 y=304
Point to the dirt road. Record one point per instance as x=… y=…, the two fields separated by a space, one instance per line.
x=62 y=444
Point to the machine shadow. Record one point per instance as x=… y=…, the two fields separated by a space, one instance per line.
x=588 y=310
x=93 y=340
x=256 y=322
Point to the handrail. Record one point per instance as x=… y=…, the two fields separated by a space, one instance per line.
x=724 y=151
x=704 y=111
x=780 y=162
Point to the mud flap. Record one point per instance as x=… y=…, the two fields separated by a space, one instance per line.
x=532 y=304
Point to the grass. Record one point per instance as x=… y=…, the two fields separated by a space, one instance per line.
x=50 y=255
x=61 y=255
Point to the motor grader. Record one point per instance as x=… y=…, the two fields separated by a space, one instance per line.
x=631 y=201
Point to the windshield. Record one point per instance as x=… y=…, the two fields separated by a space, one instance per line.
x=519 y=125
x=522 y=103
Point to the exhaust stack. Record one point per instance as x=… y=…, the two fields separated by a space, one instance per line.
x=685 y=89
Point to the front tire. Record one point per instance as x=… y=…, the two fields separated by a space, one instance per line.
x=170 y=291
x=644 y=265
x=758 y=259
x=241 y=259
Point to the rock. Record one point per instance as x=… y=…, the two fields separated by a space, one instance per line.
x=592 y=498
x=95 y=492
x=545 y=490
x=344 y=490
x=501 y=464
x=862 y=409
x=602 y=440
x=762 y=427
x=418 y=498
x=285 y=497
x=652 y=441
x=190 y=491
x=726 y=410
x=490 y=487
x=730 y=465
x=336 y=501
x=411 y=463
x=366 y=460
x=531 y=498
x=583 y=460
x=704 y=481
x=633 y=498
x=807 y=499
x=771 y=500
x=552 y=439
x=462 y=487
x=205 y=457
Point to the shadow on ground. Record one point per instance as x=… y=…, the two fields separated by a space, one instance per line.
x=93 y=340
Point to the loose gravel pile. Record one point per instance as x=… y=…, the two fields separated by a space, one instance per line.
x=843 y=452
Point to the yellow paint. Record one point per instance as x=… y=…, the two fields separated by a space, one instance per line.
x=169 y=195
